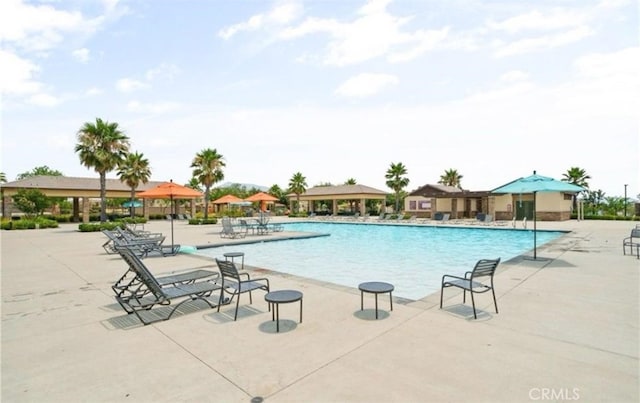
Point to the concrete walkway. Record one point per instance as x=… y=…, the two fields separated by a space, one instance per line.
x=568 y=329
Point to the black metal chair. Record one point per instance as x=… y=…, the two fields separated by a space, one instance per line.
x=632 y=241
x=233 y=283
x=483 y=268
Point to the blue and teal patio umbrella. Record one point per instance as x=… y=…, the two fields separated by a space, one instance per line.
x=533 y=184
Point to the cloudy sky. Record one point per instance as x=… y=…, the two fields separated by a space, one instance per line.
x=334 y=89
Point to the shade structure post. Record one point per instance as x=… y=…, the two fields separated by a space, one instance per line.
x=535 y=230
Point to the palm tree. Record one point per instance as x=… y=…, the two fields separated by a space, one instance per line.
x=134 y=170
x=577 y=176
x=451 y=177
x=3 y=177
x=297 y=185
x=396 y=181
x=351 y=181
x=102 y=146
x=208 y=166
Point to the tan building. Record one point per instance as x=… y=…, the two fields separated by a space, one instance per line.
x=83 y=191
x=459 y=203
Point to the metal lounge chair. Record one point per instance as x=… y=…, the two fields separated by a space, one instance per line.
x=483 y=268
x=129 y=283
x=231 y=231
x=149 y=292
x=234 y=284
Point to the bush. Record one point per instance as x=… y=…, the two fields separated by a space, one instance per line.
x=29 y=223
x=202 y=221
x=94 y=227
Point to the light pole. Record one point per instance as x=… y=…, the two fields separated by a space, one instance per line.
x=625 y=199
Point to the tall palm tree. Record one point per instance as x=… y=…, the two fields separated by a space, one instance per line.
x=207 y=168
x=133 y=171
x=3 y=177
x=102 y=146
x=576 y=176
x=396 y=181
x=351 y=181
x=297 y=185
x=451 y=177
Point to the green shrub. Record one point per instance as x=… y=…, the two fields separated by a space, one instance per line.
x=202 y=221
x=94 y=227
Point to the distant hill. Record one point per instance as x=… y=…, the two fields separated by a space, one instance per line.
x=246 y=185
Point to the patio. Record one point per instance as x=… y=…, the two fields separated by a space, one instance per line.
x=568 y=329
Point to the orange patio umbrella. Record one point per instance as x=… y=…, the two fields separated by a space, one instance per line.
x=170 y=190
x=228 y=199
x=263 y=198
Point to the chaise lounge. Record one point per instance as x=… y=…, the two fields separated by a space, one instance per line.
x=146 y=291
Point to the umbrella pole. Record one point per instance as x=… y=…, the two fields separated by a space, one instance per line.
x=534 y=226
x=172 y=211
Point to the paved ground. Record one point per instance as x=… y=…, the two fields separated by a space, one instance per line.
x=567 y=330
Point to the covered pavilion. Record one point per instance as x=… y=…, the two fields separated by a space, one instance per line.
x=81 y=190
x=359 y=193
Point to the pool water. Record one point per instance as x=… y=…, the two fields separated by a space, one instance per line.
x=412 y=258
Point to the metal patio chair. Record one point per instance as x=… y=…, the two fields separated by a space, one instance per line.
x=470 y=282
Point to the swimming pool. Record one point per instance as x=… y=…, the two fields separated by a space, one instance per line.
x=413 y=258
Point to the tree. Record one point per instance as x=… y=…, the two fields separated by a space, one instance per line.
x=194 y=184
x=31 y=201
x=103 y=147
x=208 y=166
x=39 y=171
x=277 y=191
x=297 y=185
x=451 y=177
x=576 y=176
x=351 y=181
x=396 y=181
x=595 y=200
x=132 y=171
x=3 y=177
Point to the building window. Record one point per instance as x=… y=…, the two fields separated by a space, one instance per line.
x=412 y=204
x=425 y=205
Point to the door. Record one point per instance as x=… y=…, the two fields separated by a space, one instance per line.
x=524 y=209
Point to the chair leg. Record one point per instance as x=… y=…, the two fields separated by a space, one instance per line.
x=473 y=303
x=237 y=305
x=495 y=303
x=441 y=291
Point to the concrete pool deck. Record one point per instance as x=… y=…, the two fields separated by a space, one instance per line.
x=568 y=329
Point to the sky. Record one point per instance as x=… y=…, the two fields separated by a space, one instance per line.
x=332 y=89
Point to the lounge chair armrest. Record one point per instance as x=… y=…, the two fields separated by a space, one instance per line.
x=452 y=277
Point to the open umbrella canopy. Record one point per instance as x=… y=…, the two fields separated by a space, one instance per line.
x=533 y=184
x=170 y=190
x=537 y=183
x=261 y=196
x=226 y=199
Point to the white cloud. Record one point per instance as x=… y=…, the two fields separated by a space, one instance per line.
x=514 y=75
x=81 y=55
x=537 y=21
x=543 y=42
x=163 y=71
x=17 y=75
x=366 y=84
x=93 y=91
x=153 y=108
x=44 y=100
x=130 y=85
x=281 y=14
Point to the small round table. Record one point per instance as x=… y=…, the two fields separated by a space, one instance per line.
x=282 y=297
x=233 y=255
x=375 y=287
